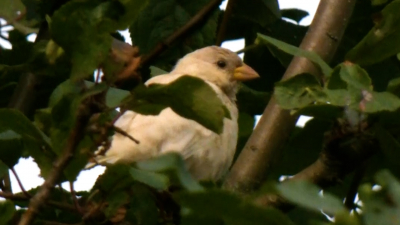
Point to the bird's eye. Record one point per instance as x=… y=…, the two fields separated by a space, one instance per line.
x=221 y=63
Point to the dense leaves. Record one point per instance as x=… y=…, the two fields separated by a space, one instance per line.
x=47 y=89
x=383 y=39
x=160 y=19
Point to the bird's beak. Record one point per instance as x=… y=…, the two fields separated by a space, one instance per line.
x=245 y=72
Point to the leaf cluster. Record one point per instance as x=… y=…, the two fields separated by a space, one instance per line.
x=358 y=94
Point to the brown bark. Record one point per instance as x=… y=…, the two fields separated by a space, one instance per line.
x=275 y=125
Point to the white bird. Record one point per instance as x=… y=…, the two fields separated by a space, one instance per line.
x=207 y=155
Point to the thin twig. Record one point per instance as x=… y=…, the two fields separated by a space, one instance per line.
x=224 y=24
x=55 y=204
x=98 y=76
x=265 y=144
x=74 y=199
x=20 y=183
x=247 y=48
x=73 y=140
x=120 y=131
x=194 y=21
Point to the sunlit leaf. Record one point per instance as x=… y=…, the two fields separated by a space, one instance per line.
x=326 y=70
x=307 y=195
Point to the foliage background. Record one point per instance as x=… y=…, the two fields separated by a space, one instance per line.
x=53 y=110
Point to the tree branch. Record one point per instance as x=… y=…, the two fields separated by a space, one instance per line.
x=224 y=23
x=339 y=158
x=276 y=124
x=55 y=204
x=73 y=140
x=19 y=182
x=193 y=22
x=124 y=133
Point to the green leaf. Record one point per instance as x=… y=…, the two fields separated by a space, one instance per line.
x=3 y=169
x=379 y=101
x=145 y=208
x=132 y=11
x=114 y=96
x=302 y=149
x=329 y=112
x=381 y=207
x=19 y=136
x=199 y=103
x=355 y=76
x=391 y=184
x=7 y=210
x=170 y=162
x=262 y=12
x=326 y=70
x=378 y=2
x=394 y=86
x=115 y=201
x=9 y=9
x=155 y=180
x=382 y=41
x=251 y=101
x=390 y=147
x=297 y=92
x=65 y=88
x=115 y=178
x=155 y=71
x=14 y=120
x=246 y=124
x=226 y=207
x=79 y=159
x=306 y=216
x=307 y=195
x=161 y=18
x=294 y=14
x=12 y=147
x=82 y=29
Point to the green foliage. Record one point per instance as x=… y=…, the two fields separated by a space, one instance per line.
x=383 y=39
x=227 y=209
x=199 y=103
x=356 y=101
x=348 y=86
x=162 y=18
x=310 y=197
x=381 y=206
x=7 y=210
x=261 y=12
x=315 y=58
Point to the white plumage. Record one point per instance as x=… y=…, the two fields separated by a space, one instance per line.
x=207 y=155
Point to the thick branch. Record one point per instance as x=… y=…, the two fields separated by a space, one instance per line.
x=336 y=161
x=276 y=124
x=191 y=24
x=73 y=140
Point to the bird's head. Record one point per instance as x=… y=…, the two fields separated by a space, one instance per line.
x=217 y=65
